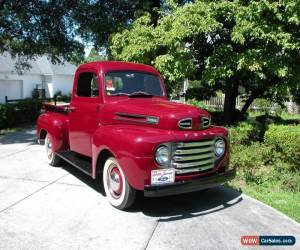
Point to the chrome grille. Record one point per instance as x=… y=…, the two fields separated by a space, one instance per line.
x=185 y=123
x=189 y=157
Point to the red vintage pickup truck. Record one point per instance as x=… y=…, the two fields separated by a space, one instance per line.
x=120 y=125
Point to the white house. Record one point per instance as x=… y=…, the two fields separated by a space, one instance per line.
x=42 y=74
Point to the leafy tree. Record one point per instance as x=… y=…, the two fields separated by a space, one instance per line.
x=31 y=28
x=60 y=29
x=226 y=44
x=95 y=55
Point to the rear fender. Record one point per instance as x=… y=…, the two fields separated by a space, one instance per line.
x=57 y=126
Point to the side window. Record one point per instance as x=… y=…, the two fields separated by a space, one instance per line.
x=87 y=85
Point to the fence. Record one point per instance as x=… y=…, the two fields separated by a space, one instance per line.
x=218 y=103
x=54 y=99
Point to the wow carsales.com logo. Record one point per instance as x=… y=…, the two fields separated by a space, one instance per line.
x=268 y=240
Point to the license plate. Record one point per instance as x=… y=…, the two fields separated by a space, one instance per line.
x=162 y=176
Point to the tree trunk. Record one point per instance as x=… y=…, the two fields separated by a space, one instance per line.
x=154 y=11
x=247 y=104
x=231 y=93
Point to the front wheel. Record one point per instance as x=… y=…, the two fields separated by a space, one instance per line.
x=118 y=191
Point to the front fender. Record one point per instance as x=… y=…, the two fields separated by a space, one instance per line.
x=133 y=147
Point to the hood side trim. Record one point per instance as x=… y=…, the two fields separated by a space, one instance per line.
x=136 y=118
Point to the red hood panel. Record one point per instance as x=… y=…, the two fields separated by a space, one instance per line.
x=137 y=109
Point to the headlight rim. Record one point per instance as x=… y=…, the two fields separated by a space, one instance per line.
x=220 y=139
x=167 y=163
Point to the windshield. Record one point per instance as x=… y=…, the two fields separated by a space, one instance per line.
x=132 y=83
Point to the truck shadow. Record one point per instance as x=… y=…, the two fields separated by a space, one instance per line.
x=188 y=205
x=94 y=184
x=176 y=207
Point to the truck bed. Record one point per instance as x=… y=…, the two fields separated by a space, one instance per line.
x=58 y=108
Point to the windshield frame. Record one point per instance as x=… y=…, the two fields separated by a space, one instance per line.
x=162 y=86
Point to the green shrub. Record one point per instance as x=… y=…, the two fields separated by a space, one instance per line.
x=197 y=103
x=273 y=161
x=245 y=133
x=62 y=98
x=251 y=162
x=285 y=143
x=263 y=105
x=241 y=134
x=12 y=114
x=290 y=182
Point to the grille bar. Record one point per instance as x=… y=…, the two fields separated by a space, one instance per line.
x=191 y=170
x=193 y=164
x=193 y=157
x=195 y=144
x=193 y=151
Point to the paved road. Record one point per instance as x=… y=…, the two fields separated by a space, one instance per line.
x=43 y=207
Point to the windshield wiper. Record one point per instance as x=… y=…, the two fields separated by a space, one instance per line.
x=140 y=93
x=119 y=94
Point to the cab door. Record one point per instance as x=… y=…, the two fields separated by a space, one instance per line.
x=84 y=111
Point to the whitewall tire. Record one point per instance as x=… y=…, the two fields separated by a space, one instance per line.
x=118 y=191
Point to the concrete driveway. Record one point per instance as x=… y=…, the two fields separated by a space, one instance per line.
x=43 y=207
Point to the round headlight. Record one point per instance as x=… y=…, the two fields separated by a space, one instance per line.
x=219 y=147
x=162 y=155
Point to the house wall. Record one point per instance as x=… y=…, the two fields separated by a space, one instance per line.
x=23 y=90
x=63 y=83
x=28 y=82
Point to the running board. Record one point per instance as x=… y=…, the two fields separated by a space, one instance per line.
x=81 y=162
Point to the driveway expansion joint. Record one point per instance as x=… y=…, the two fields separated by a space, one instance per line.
x=151 y=235
x=21 y=179
x=17 y=202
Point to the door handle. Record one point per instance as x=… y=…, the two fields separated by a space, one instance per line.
x=72 y=109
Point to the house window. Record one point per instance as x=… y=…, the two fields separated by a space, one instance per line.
x=87 y=85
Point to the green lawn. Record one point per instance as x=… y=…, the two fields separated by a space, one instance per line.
x=285 y=202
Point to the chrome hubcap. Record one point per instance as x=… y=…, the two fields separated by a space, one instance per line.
x=114 y=181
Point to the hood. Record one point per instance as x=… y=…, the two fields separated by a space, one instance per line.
x=156 y=112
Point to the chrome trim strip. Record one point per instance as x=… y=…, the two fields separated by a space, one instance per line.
x=129 y=120
x=188 y=121
x=130 y=115
x=135 y=118
x=205 y=122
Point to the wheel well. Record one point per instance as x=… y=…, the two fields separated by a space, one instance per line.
x=43 y=134
x=103 y=156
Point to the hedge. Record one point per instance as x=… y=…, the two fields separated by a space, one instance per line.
x=285 y=143
x=23 y=111
x=273 y=161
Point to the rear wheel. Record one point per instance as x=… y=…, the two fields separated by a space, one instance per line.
x=118 y=191
x=53 y=159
